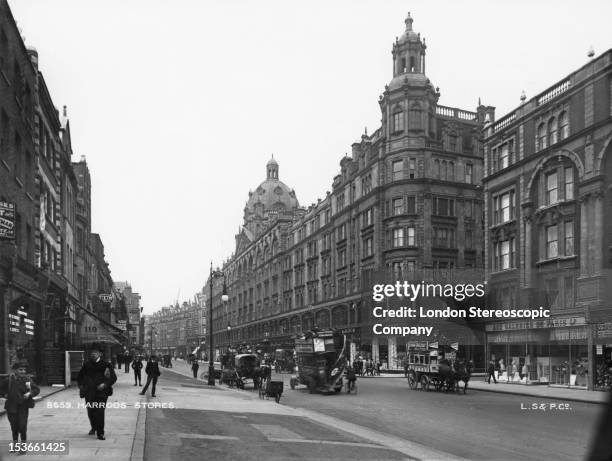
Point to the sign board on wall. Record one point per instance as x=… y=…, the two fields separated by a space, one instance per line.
x=7 y=221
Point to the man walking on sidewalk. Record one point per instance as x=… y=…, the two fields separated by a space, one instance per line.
x=491 y=372
x=128 y=360
x=194 y=367
x=137 y=367
x=95 y=380
x=152 y=371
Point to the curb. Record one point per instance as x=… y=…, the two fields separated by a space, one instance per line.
x=552 y=397
x=138 y=443
x=3 y=412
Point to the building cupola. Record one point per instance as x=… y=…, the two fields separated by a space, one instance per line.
x=409 y=52
x=272 y=169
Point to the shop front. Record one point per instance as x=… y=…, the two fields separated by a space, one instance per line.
x=603 y=356
x=553 y=351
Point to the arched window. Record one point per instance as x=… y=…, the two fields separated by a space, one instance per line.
x=552 y=131
x=542 y=136
x=414 y=117
x=563 y=125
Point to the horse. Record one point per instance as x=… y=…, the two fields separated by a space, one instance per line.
x=447 y=374
x=463 y=372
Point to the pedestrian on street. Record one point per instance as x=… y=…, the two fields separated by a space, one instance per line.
x=96 y=380
x=128 y=360
x=491 y=372
x=152 y=371
x=119 y=361
x=194 y=367
x=351 y=378
x=19 y=392
x=137 y=367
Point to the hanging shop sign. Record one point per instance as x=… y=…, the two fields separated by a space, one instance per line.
x=105 y=298
x=7 y=221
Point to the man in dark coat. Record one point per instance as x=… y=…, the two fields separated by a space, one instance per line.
x=95 y=380
x=152 y=371
x=137 y=367
x=19 y=391
x=194 y=367
x=128 y=360
x=491 y=372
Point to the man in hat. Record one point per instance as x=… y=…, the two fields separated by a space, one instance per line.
x=19 y=391
x=152 y=371
x=95 y=380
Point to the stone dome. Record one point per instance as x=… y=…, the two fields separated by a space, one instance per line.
x=409 y=78
x=272 y=194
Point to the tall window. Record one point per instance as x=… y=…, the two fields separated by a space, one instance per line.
x=341 y=258
x=468 y=173
x=437 y=168
x=398 y=122
x=542 y=138
x=398 y=206
x=552 y=131
x=341 y=232
x=411 y=237
x=414 y=117
x=569 y=183
x=503 y=207
x=504 y=156
x=552 y=241
x=368 y=247
x=551 y=188
x=367 y=217
x=411 y=205
x=412 y=168
x=398 y=237
x=563 y=125
x=569 y=238
x=340 y=202
x=397 y=170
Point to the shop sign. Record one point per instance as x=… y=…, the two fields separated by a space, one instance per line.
x=416 y=345
x=105 y=298
x=565 y=334
x=517 y=337
x=556 y=322
x=7 y=221
x=603 y=330
x=346 y=331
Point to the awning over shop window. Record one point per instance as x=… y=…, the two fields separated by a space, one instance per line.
x=95 y=330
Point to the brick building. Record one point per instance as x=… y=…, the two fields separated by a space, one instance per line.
x=406 y=206
x=548 y=232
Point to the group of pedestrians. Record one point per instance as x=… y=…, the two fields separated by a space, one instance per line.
x=367 y=367
x=95 y=381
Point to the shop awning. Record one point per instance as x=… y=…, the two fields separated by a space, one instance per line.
x=93 y=329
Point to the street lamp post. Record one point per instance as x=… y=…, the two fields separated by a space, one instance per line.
x=153 y=329
x=224 y=298
x=229 y=337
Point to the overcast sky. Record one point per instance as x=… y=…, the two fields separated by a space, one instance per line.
x=178 y=104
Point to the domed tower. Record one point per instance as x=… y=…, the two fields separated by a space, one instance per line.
x=408 y=103
x=269 y=199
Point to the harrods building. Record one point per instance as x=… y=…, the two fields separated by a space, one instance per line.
x=407 y=205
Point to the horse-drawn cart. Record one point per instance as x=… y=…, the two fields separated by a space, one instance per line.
x=431 y=365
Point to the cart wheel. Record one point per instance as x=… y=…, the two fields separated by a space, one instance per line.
x=412 y=380
x=277 y=398
x=292 y=383
x=425 y=382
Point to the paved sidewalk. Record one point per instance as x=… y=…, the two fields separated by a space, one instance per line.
x=49 y=422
